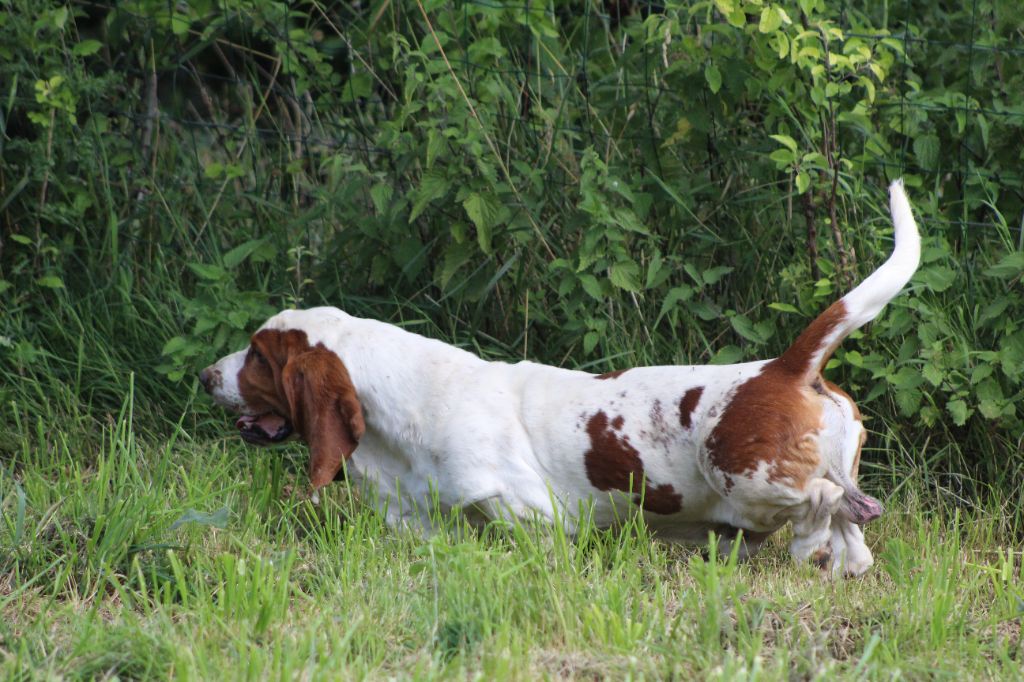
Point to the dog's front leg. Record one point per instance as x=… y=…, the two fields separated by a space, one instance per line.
x=850 y=555
x=813 y=523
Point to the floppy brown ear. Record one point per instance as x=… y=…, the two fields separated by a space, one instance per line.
x=324 y=410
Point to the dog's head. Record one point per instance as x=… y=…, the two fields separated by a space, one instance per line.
x=282 y=386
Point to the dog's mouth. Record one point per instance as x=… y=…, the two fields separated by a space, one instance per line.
x=264 y=429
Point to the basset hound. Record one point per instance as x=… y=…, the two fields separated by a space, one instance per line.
x=425 y=425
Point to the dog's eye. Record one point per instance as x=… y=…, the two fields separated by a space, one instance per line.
x=257 y=356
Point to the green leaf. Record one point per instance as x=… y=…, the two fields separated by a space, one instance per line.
x=786 y=141
x=625 y=275
x=782 y=158
x=906 y=378
x=926 y=148
x=803 y=182
x=237 y=255
x=713 y=77
x=174 y=345
x=675 y=295
x=784 y=308
x=704 y=310
x=737 y=18
x=592 y=286
x=959 y=411
x=727 y=355
x=983 y=129
x=808 y=6
x=208 y=272
x=486 y=47
x=179 y=24
x=433 y=185
x=989 y=389
x=712 y=275
x=455 y=256
x=86 y=48
x=991 y=409
x=782 y=44
x=436 y=145
x=381 y=194
x=50 y=282
x=1011 y=354
x=908 y=401
x=1010 y=266
x=934 y=374
x=653 y=270
x=770 y=20
x=482 y=211
x=239 y=319
x=938 y=278
x=745 y=328
x=590 y=340
x=981 y=372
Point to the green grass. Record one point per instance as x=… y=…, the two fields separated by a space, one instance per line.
x=97 y=580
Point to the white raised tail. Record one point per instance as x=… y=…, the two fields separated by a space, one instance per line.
x=812 y=349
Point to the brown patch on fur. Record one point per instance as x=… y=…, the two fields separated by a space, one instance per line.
x=312 y=388
x=822 y=558
x=773 y=418
x=657 y=415
x=612 y=463
x=659 y=432
x=618 y=422
x=612 y=375
x=687 y=404
x=798 y=356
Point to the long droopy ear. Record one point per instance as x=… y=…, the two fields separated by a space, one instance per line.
x=324 y=410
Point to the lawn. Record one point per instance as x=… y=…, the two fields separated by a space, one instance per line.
x=126 y=558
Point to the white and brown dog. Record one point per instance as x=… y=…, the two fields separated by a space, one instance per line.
x=750 y=446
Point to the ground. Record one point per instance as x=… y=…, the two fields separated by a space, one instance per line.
x=204 y=560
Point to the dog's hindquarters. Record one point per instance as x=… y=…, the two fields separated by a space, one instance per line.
x=787 y=444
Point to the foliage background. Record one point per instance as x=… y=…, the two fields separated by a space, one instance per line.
x=595 y=185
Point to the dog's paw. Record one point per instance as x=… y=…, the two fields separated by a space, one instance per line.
x=853 y=567
x=851 y=556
